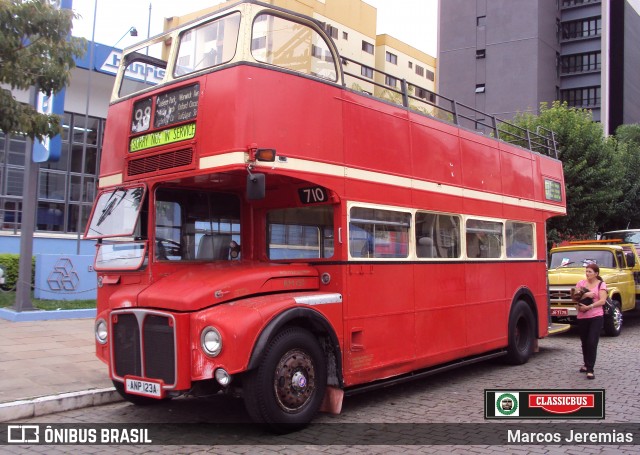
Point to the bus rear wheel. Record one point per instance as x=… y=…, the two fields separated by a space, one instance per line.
x=286 y=390
x=521 y=334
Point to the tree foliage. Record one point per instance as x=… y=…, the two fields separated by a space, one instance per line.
x=592 y=170
x=35 y=50
x=625 y=213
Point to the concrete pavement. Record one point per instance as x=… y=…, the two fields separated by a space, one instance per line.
x=50 y=366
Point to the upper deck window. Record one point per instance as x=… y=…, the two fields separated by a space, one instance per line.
x=293 y=46
x=207 y=45
x=144 y=68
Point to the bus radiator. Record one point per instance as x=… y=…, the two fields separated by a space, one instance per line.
x=144 y=346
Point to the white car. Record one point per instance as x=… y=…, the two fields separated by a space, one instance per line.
x=625 y=235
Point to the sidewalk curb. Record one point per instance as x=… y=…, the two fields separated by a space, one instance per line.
x=35 y=407
x=46 y=315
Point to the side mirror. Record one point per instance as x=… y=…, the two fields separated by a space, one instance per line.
x=255 y=187
x=631 y=260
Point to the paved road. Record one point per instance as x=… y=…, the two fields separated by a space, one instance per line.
x=400 y=419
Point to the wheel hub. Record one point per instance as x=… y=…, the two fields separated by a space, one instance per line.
x=294 y=380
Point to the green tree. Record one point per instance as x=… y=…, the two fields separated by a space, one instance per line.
x=625 y=212
x=629 y=134
x=593 y=180
x=35 y=50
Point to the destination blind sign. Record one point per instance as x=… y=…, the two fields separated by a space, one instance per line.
x=177 y=106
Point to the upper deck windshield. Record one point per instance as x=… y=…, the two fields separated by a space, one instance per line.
x=266 y=38
x=143 y=68
x=207 y=45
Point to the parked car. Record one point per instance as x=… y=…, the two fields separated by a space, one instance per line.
x=619 y=267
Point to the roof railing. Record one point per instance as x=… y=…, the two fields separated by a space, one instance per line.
x=422 y=100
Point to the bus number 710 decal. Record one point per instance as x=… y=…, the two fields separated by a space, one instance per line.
x=313 y=195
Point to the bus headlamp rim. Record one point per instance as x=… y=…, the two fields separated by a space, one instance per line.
x=211 y=341
x=101 y=331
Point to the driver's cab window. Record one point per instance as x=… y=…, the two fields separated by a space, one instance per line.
x=196 y=226
x=300 y=233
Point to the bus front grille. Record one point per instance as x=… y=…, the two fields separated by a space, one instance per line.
x=144 y=346
x=162 y=162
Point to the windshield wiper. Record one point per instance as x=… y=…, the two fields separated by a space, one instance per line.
x=111 y=205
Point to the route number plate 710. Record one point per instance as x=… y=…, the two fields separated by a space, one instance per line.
x=143 y=387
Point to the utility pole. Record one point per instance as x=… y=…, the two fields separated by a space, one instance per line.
x=28 y=224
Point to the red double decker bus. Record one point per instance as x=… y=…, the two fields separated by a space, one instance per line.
x=268 y=225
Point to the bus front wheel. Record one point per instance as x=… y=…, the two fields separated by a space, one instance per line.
x=521 y=334
x=286 y=390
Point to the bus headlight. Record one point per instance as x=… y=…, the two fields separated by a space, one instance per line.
x=101 y=331
x=211 y=341
x=222 y=377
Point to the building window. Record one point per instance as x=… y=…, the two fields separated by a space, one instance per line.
x=581 y=97
x=345 y=36
x=391 y=81
x=569 y=3
x=332 y=31
x=480 y=88
x=430 y=75
x=481 y=21
x=367 y=47
x=316 y=51
x=580 y=63
x=391 y=58
x=410 y=65
x=366 y=71
x=583 y=28
x=481 y=53
x=65 y=187
x=419 y=70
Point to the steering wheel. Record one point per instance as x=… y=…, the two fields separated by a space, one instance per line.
x=166 y=248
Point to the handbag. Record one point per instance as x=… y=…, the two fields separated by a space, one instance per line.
x=608 y=307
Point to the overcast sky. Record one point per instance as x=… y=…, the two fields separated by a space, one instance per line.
x=411 y=21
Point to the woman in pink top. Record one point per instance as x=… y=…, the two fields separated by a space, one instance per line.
x=591 y=316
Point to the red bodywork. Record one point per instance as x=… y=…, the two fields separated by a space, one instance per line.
x=394 y=317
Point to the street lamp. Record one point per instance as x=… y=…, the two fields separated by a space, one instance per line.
x=132 y=32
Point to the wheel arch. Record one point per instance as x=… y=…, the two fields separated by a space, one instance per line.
x=314 y=322
x=525 y=294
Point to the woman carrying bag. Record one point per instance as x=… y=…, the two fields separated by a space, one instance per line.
x=591 y=316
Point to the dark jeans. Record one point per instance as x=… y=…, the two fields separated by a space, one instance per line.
x=589 y=329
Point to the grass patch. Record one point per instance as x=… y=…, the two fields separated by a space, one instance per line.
x=8 y=299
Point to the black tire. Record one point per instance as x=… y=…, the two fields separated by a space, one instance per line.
x=137 y=399
x=286 y=390
x=613 y=323
x=521 y=334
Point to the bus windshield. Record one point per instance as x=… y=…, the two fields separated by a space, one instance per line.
x=195 y=225
x=116 y=213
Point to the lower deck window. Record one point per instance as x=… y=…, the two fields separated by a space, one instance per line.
x=376 y=233
x=300 y=233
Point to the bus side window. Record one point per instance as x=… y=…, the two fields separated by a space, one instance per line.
x=378 y=233
x=519 y=240
x=484 y=238
x=437 y=235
